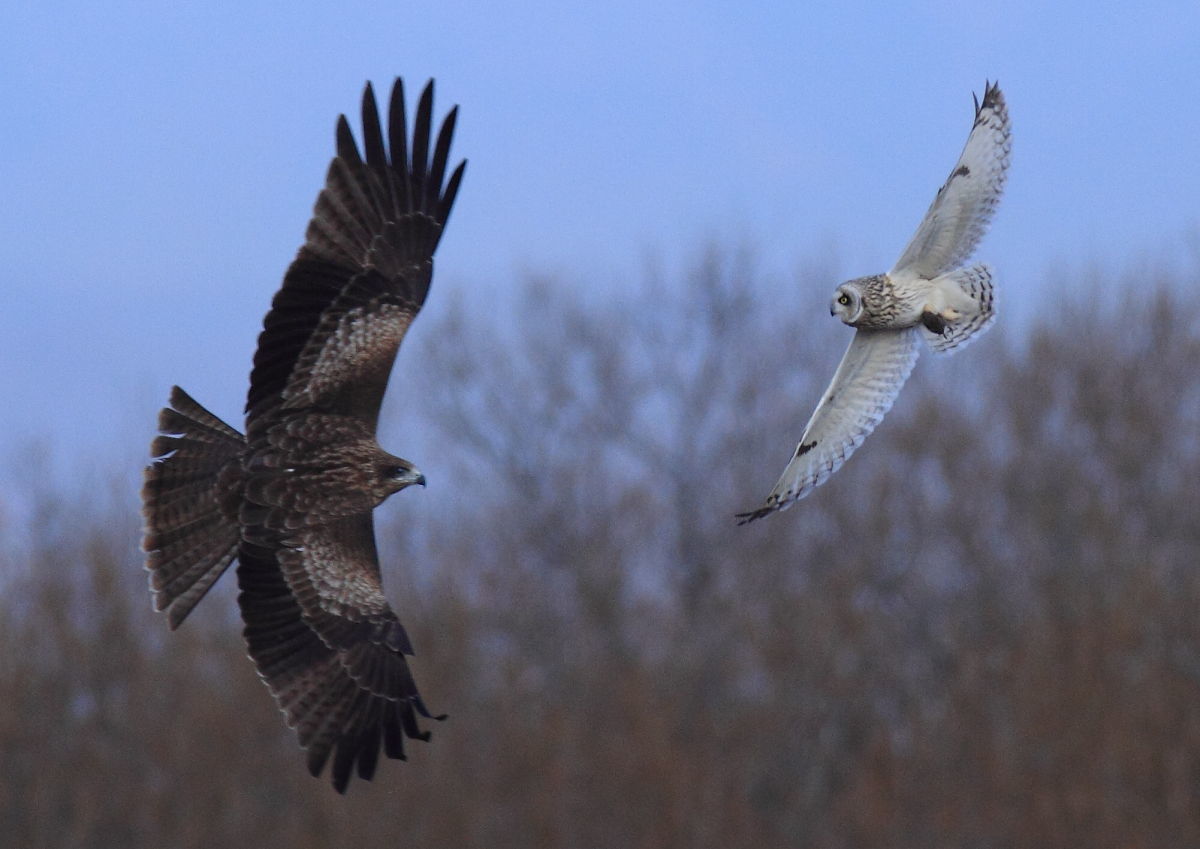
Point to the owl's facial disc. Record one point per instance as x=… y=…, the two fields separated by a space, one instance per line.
x=846 y=304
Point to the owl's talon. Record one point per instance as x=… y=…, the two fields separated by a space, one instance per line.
x=933 y=322
x=936 y=322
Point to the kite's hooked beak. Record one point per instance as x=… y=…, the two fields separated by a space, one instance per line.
x=407 y=476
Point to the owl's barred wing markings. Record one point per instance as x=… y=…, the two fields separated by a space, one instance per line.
x=964 y=205
x=873 y=369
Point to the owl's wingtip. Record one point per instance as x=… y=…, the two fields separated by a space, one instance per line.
x=762 y=512
x=992 y=96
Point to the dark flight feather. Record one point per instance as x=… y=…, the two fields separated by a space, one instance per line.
x=357 y=203
x=398 y=136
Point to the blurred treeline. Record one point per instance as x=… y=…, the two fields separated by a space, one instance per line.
x=982 y=632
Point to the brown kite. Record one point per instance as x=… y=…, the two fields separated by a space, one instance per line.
x=292 y=500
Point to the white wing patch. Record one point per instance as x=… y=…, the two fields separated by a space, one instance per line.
x=357 y=350
x=864 y=386
x=963 y=208
x=332 y=571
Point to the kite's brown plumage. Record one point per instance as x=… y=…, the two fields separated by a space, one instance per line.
x=292 y=500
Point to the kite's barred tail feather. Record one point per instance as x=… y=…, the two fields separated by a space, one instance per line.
x=189 y=502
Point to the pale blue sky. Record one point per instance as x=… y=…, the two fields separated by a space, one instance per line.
x=160 y=160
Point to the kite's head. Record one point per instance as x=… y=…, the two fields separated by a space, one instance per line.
x=847 y=303
x=399 y=474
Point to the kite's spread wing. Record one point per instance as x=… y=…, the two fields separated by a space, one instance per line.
x=364 y=270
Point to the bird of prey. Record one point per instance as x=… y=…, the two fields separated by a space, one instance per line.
x=292 y=500
x=927 y=294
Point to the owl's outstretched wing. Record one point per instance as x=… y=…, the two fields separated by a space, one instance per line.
x=864 y=386
x=963 y=208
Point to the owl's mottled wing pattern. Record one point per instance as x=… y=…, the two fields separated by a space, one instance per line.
x=863 y=388
x=963 y=208
x=347 y=299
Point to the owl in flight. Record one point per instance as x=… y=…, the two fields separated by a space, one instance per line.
x=927 y=294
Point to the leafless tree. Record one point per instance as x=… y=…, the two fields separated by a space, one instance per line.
x=981 y=633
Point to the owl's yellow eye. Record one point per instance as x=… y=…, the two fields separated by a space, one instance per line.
x=844 y=300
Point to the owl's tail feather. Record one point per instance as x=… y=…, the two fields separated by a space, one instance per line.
x=190 y=500
x=969 y=293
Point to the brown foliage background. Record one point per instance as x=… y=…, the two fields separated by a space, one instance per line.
x=981 y=633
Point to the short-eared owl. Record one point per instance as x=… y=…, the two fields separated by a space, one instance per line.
x=927 y=294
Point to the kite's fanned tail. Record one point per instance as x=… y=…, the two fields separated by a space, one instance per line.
x=190 y=499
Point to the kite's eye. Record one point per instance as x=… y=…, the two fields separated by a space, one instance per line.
x=404 y=475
